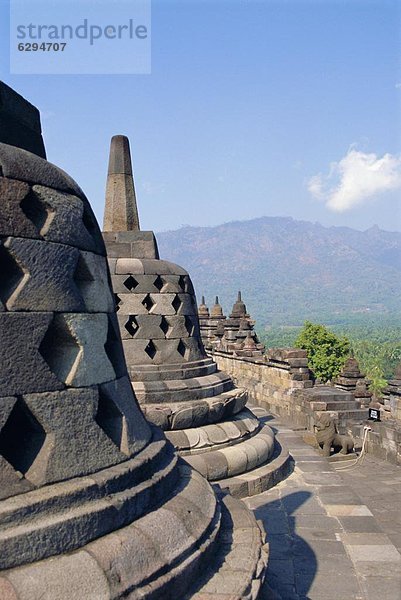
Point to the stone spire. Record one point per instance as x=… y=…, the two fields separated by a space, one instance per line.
x=239 y=309
x=203 y=311
x=216 y=311
x=121 y=212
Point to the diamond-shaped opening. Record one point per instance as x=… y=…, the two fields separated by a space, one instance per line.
x=130 y=283
x=11 y=274
x=159 y=283
x=148 y=303
x=176 y=303
x=36 y=210
x=189 y=326
x=21 y=438
x=110 y=418
x=164 y=325
x=181 y=282
x=131 y=325
x=113 y=348
x=83 y=277
x=117 y=302
x=59 y=348
x=151 y=350
x=181 y=348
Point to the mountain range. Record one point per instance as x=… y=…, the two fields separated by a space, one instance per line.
x=290 y=270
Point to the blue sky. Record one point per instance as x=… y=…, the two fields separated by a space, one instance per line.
x=247 y=106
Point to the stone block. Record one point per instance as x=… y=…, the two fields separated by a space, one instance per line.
x=115 y=250
x=7 y=592
x=136 y=304
x=92 y=279
x=78 y=350
x=138 y=284
x=78 y=439
x=65 y=219
x=19 y=164
x=129 y=266
x=161 y=267
x=39 y=276
x=11 y=481
x=74 y=576
x=23 y=368
x=121 y=416
x=13 y=220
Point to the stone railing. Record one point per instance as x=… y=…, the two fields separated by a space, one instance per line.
x=273 y=381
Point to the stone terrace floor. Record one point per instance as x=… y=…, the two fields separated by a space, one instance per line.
x=333 y=535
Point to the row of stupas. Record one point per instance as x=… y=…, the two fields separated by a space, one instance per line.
x=234 y=335
x=95 y=503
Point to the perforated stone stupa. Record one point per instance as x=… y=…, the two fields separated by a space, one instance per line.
x=94 y=502
x=235 y=335
x=178 y=386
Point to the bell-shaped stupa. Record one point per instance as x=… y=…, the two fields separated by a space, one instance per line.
x=94 y=502
x=178 y=386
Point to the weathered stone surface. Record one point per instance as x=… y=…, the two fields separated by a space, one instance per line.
x=82 y=447
x=7 y=592
x=13 y=220
x=75 y=576
x=11 y=481
x=20 y=164
x=22 y=368
x=20 y=122
x=70 y=220
x=91 y=364
x=92 y=279
x=119 y=415
x=121 y=211
x=46 y=276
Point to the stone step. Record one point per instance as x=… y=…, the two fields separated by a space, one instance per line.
x=62 y=517
x=182 y=390
x=208 y=438
x=200 y=368
x=234 y=460
x=262 y=478
x=183 y=415
x=356 y=414
x=135 y=561
x=338 y=405
x=242 y=555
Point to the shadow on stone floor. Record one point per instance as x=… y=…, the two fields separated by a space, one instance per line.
x=292 y=562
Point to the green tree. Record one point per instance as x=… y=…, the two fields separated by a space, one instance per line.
x=327 y=352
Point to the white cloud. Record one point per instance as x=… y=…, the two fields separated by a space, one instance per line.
x=151 y=188
x=355 y=179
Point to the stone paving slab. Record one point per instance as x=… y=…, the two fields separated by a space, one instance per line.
x=334 y=534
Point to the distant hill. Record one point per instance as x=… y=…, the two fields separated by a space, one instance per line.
x=291 y=270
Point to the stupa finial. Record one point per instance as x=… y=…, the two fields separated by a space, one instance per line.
x=121 y=212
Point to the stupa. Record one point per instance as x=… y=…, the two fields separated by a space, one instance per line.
x=209 y=323
x=94 y=502
x=178 y=386
x=235 y=335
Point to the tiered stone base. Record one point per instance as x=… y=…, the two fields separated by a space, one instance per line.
x=144 y=529
x=181 y=396
x=241 y=454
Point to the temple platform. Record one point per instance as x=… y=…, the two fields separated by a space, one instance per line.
x=333 y=533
